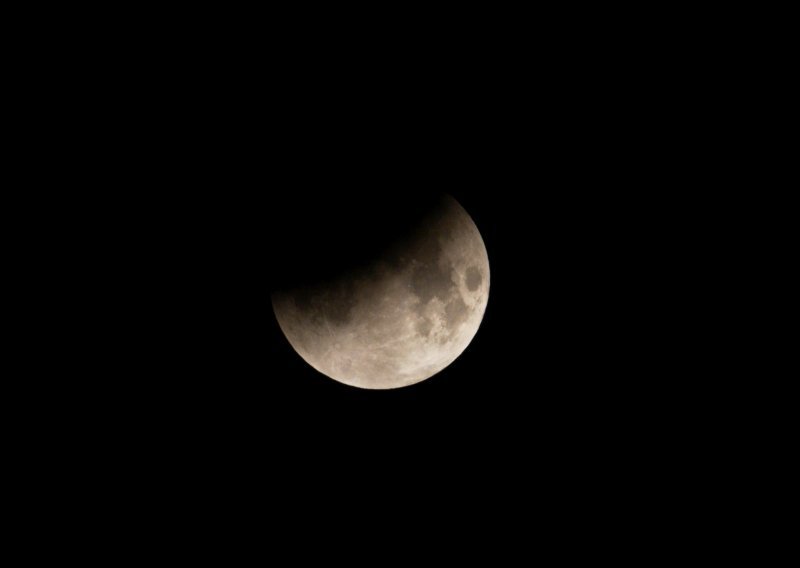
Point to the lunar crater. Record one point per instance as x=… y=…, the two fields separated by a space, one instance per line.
x=424 y=326
x=473 y=278
x=456 y=312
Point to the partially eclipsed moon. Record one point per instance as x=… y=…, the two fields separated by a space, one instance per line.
x=403 y=319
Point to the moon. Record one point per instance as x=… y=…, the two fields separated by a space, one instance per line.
x=401 y=318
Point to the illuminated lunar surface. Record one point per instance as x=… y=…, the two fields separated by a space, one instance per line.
x=401 y=319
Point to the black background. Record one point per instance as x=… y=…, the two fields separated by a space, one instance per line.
x=562 y=365
x=199 y=164
x=237 y=168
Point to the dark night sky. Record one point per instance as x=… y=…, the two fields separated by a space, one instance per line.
x=236 y=155
x=555 y=359
x=552 y=188
x=284 y=173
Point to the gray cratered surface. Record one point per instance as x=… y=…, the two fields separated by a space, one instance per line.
x=402 y=319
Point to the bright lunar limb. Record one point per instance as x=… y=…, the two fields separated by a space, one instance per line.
x=403 y=319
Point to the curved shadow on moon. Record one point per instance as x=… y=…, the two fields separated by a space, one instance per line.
x=400 y=317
